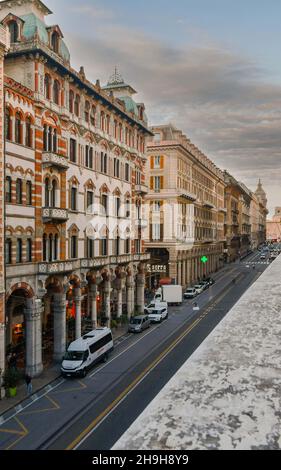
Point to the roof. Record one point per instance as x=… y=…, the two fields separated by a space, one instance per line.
x=43 y=7
x=82 y=343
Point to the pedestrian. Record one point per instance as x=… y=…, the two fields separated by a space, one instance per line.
x=28 y=384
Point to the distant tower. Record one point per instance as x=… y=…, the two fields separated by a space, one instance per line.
x=261 y=195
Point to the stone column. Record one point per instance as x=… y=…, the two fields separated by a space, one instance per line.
x=106 y=293
x=2 y=349
x=32 y=312
x=93 y=289
x=77 y=299
x=179 y=273
x=140 y=289
x=184 y=273
x=119 y=302
x=59 y=309
x=188 y=272
x=130 y=285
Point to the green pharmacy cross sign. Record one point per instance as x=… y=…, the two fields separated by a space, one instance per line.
x=204 y=259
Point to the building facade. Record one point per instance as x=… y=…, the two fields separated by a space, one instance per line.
x=75 y=185
x=185 y=210
x=273 y=226
x=245 y=218
x=4 y=45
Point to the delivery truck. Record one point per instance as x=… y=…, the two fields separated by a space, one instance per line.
x=171 y=294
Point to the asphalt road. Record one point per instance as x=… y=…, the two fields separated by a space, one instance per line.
x=94 y=412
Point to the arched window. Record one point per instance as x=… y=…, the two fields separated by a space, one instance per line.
x=93 y=116
x=45 y=138
x=50 y=139
x=120 y=132
x=47 y=87
x=29 y=193
x=56 y=247
x=19 y=191
x=8 y=124
x=8 y=189
x=115 y=129
x=47 y=192
x=8 y=251
x=71 y=101
x=44 y=247
x=102 y=121
x=55 y=42
x=56 y=92
x=19 y=251
x=28 y=132
x=29 y=250
x=18 y=129
x=77 y=106
x=87 y=111
x=55 y=141
x=51 y=248
x=53 y=193
x=14 y=31
x=108 y=124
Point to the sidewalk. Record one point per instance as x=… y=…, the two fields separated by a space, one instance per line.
x=49 y=375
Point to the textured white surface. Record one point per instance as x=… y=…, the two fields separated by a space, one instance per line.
x=228 y=393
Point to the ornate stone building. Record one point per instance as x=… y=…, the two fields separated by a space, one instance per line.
x=273 y=226
x=75 y=184
x=245 y=218
x=4 y=45
x=186 y=210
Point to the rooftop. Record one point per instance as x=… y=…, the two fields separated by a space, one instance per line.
x=228 y=393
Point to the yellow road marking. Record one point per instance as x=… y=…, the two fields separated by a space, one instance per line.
x=22 y=434
x=55 y=408
x=109 y=408
x=72 y=389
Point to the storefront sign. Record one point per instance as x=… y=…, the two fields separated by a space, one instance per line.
x=156 y=268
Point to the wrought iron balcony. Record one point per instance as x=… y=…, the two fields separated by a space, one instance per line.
x=54 y=214
x=52 y=159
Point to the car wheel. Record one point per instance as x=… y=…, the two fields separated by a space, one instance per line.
x=105 y=358
x=83 y=373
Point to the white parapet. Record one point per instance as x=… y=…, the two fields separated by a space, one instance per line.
x=228 y=393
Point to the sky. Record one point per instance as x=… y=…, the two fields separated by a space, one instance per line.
x=210 y=67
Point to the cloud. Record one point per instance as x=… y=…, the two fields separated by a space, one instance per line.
x=223 y=102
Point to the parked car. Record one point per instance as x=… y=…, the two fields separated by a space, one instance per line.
x=158 y=314
x=138 y=324
x=155 y=305
x=210 y=280
x=204 y=284
x=262 y=256
x=199 y=288
x=190 y=293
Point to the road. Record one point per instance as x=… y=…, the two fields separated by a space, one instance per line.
x=94 y=412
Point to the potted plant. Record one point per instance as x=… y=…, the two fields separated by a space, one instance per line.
x=11 y=380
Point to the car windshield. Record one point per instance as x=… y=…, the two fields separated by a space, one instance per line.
x=189 y=290
x=135 y=321
x=151 y=306
x=74 y=355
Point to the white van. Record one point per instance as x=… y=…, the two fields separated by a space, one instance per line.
x=86 y=351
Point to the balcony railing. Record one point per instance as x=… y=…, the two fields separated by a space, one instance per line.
x=54 y=214
x=58 y=267
x=52 y=159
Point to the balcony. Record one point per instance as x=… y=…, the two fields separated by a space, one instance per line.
x=54 y=214
x=141 y=189
x=57 y=267
x=50 y=159
x=141 y=223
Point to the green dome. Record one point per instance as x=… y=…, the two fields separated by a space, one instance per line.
x=33 y=24
x=130 y=105
x=65 y=51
